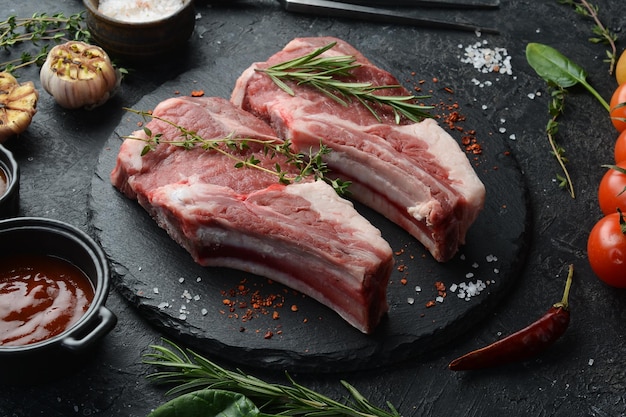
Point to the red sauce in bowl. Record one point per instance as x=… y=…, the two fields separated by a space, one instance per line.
x=40 y=297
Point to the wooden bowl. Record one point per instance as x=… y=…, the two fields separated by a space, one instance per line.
x=137 y=42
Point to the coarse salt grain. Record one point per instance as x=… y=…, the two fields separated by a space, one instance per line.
x=140 y=10
x=471 y=289
x=486 y=59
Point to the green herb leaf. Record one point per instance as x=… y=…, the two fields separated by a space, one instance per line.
x=190 y=371
x=557 y=69
x=208 y=403
x=553 y=66
x=308 y=164
x=38 y=29
x=322 y=74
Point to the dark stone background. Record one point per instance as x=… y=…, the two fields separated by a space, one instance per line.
x=582 y=375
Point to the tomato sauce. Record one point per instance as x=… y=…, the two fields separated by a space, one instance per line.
x=40 y=297
x=4 y=182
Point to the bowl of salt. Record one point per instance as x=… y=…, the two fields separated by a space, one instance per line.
x=139 y=30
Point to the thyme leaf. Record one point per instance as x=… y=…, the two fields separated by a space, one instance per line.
x=602 y=34
x=556 y=107
x=307 y=164
x=39 y=29
x=327 y=75
x=190 y=371
x=560 y=73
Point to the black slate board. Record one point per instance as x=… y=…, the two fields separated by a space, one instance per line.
x=185 y=300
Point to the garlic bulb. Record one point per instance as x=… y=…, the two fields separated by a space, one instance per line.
x=78 y=74
x=18 y=105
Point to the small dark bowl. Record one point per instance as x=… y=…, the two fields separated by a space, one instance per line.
x=136 y=42
x=55 y=356
x=10 y=199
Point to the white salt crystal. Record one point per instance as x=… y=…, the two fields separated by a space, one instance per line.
x=140 y=10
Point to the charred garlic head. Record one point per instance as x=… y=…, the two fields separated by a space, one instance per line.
x=18 y=105
x=78 y=75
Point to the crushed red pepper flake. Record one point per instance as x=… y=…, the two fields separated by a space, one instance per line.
x=246 y=303
x=197 y=93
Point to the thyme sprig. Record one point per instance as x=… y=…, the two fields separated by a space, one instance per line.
x=556 y=108
x=190 y=371
x=39 y=29
x=307 y=164
x=326 y=74
x=602 y=35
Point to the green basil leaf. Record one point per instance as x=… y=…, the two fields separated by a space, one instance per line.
x=553 y=66
x=208 y=403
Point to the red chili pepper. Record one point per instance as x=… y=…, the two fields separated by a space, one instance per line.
x=523 y=344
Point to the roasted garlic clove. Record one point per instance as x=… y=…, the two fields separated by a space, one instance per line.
x=18 y=105
x=78 y=75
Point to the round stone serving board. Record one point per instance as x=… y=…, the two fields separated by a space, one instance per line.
x=186 y=301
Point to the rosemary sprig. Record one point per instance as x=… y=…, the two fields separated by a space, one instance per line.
x=39 y=29
x=190 y=371
x=324 y=73
x=309 y=164
x=600 y=31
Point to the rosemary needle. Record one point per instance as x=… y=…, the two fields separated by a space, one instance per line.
x=326 y=74
x=191 y=371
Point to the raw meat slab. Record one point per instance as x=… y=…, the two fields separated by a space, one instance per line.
x=185 y=300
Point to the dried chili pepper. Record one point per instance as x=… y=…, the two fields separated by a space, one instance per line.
x=523 y=344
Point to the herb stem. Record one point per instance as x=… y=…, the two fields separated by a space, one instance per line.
x=322 y=74
x=190 y=371
x=306 y=164
x=556 y=108
x=587 y=9
x=40 y=28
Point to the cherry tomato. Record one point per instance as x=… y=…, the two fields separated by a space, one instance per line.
x=620 y=69
x=612 y=190
x=606 y=250
x=618 y=108
x=620 y=148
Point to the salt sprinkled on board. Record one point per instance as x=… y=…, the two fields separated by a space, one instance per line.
x=487 y=59
x=140 y=10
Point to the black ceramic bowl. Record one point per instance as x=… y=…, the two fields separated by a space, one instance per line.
x=139 y=41
x=54 y=356
x=9 y=195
